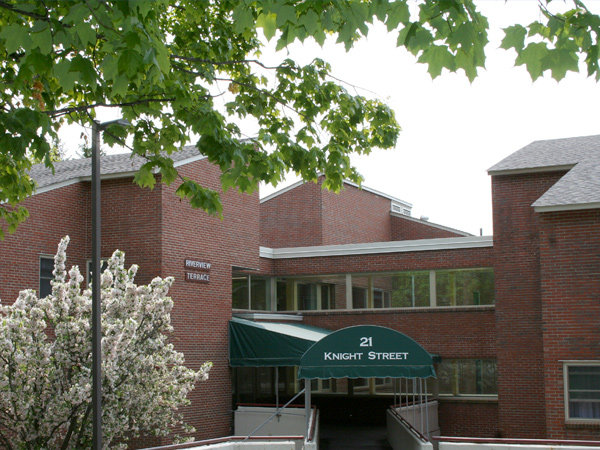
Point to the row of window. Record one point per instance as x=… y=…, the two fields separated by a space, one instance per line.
x=455 y=377
x=466 y=287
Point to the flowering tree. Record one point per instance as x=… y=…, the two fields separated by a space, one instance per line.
x=45 y=361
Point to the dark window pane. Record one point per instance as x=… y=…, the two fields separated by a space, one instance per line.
x=259 y=293
x=584 y=392
x=307 y=296
x=410 y=289
x=240 y=292
x=46 y=268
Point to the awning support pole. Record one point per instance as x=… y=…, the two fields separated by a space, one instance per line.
x=307 y=405
x=277 y=411
x=421 y=403
x=276 y=387
x=427 y=410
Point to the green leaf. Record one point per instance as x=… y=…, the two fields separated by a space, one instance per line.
x=243 y=19
x=16 y=37
x=62 y=72
x=145 y=176
x=120 y=87
x=559 y=61
x=86 y=33
x=285 y=13
x=397 y=14
x=514 y=37
x=268 y=22
x=532 y=57
x=437 y=58
x=41 y=37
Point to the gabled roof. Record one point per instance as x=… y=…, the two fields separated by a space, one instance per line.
x=580 y=156
x=111 y=166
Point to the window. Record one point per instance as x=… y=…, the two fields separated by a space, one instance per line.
x=307 y=296
x=46 y=268
x=467 y=377
x=314 y=296
x=250 y=292
x=381 y=299
x=465 y=287
x=582 y=391
x=410 y=290
x=359 y=298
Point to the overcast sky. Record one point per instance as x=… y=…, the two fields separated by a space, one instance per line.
x=453 y=131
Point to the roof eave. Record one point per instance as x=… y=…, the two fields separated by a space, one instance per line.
x=526 y=170
x=566 y=207
x=419 y=245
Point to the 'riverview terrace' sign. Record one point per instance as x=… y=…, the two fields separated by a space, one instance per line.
x=201 y=270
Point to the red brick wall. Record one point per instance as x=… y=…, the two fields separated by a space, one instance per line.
x=385 y=262
x=355 y=216
x=132 y=222
x=519 y=321
x=52 y=215
x=570 y=268
x=293 y=218
x=202 y=311
x=468 y=418
x=404 y=229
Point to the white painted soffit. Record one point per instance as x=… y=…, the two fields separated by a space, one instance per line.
x=567 y=207
x=420 y=245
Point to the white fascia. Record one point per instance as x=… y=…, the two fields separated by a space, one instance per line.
x=526 y=170
x=567 y=207
x=419 y=245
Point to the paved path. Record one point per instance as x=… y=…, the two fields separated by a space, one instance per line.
x=351 y=437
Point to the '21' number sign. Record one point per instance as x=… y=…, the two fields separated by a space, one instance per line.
x=366 y=342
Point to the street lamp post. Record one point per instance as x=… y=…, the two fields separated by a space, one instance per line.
x=96 y=300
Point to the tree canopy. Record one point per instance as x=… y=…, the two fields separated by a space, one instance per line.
x=163 y=65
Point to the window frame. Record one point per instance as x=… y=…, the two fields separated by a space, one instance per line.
x=566 y=397
x=455 y=380
x=40 y=278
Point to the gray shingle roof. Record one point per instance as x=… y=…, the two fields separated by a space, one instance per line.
x=112 y=165
x=578 y=189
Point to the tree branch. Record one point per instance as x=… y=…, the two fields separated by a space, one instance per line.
x=33 y=15
x=224 y=63
x=83 y=108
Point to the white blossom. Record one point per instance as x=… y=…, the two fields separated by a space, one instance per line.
x=45 y=361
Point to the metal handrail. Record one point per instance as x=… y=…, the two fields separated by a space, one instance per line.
x=313 y=424
x=276 y=413
x=407 y=424
x=224 y=439
x=514 y=441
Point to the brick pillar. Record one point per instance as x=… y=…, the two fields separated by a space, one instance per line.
x=519 y=323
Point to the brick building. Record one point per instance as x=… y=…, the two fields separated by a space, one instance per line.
x=515 y=319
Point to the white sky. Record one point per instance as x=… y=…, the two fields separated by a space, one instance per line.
x=453 y=131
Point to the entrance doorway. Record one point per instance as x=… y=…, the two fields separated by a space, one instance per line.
x=352 y=436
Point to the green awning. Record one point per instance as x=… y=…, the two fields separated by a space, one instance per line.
x=366 y=351
x=257 y=344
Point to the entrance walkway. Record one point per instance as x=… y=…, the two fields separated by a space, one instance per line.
x=353 y=437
